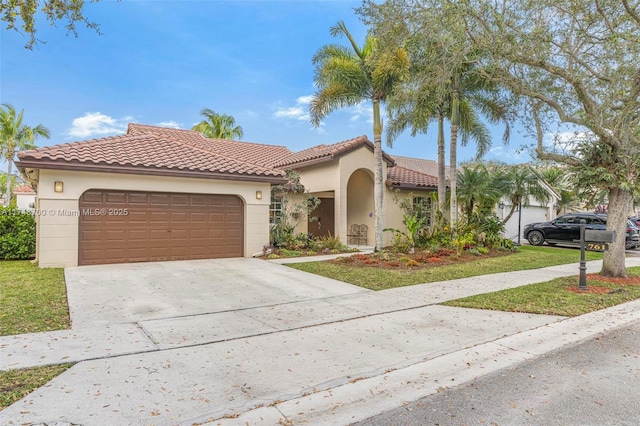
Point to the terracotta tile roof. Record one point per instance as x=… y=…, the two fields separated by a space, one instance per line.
x=428 y=167
x=403 y=178
x=260 y=154
x=164 y=151
x=322 y=153
x=24 y=189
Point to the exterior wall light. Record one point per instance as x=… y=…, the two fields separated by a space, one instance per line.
x=258 y=195
x=58 y=186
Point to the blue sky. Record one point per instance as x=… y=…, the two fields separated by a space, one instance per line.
x=160 y=62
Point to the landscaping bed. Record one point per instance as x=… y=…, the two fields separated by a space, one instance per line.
x=420 y=259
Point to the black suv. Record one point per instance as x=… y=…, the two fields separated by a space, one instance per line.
x=565 y=229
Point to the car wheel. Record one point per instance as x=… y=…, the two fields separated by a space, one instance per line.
x=535 y=238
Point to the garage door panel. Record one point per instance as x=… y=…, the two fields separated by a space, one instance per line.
x=138 y=198
x=156 y=199
x=93 y=198
x=159 y=226
x=115 y=198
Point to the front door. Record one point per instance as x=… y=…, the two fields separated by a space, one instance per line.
x=323 y=224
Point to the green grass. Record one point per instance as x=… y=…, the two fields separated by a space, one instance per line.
x=553 y=298
x=16 y=384
x=31 y=299
x=527 y=257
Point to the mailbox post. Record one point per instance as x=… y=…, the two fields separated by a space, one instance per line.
x=601 y=238
x=583 y=261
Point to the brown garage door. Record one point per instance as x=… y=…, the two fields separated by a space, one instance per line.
x=128 y=226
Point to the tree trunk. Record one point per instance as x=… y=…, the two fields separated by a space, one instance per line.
x=378 y=174
x=453 y=178
x=614 y=259
x=7 y=198
x=453 y=162
x=442 y=180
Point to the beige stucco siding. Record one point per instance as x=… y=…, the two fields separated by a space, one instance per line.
x=351 y=208
x=58 y=214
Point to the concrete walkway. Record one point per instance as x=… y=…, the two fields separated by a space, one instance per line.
x=325 y=359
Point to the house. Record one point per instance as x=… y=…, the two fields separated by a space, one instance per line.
x=25 y=197
x=166 y=194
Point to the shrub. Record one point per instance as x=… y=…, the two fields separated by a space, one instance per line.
x=17 y=234
x=290 y=253
x=330 y=242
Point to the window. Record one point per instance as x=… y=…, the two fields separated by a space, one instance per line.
x=275 y=209
x=422 y=206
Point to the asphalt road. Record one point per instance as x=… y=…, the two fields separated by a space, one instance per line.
x=593 y=383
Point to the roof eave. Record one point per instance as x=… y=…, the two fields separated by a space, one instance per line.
x=410 y=186
x=52 y=165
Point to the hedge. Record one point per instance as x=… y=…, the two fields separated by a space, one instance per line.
x=17 y=234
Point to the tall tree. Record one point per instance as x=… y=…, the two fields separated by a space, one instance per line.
x=15 y=135
x=572 y=62
x=69 y=11
x=347 y=76
x=218 y=126
x=443 y=83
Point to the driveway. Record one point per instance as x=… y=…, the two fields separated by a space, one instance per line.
x=125 y=293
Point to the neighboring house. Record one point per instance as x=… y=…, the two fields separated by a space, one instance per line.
x=167 y=194
x=25 y=197
x=534 y=211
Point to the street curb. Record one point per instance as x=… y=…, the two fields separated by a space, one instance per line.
x=361 y=399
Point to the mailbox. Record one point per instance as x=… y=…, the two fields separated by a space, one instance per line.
x=598 y=236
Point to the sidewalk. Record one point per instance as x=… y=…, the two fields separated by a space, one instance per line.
x=333 y=360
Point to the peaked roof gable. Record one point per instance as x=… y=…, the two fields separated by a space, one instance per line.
x=323 y=153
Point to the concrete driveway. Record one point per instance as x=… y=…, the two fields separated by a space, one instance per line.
x=125 y=293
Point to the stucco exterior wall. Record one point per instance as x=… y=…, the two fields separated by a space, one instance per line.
x=361 y=203
x=350 y=179
x=57 y=225
x=395 y=214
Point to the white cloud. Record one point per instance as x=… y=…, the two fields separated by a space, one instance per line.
x=297 y=112
x=304 y=100
x=171 y=124
x=96 y=124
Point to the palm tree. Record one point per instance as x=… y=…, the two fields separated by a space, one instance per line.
x=479 y=190
x=521 y=183
x=417 y=108
x=469 y=95
x=560 y=179
x=14 y=136
x=218 y=126
x=346 y=77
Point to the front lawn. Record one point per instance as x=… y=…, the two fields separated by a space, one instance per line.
x=31 y=299
x=376 y=277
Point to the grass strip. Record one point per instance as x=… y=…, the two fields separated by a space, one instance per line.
x=16 y=384
x=554 y=297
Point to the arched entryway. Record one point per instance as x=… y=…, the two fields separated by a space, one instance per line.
x=360 y=205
